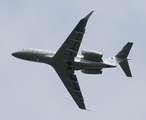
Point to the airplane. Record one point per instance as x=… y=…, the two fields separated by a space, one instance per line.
x=66 y=61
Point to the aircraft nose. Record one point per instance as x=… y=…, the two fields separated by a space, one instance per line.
x=17 y=54
x=13 y=54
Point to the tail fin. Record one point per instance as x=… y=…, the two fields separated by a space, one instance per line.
x=121 y=58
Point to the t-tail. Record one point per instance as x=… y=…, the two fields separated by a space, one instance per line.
x=122 y=58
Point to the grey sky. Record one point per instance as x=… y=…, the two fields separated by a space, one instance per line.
x=33 y=91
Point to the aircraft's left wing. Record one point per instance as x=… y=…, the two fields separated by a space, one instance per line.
x=71 y=83
x=69 y=48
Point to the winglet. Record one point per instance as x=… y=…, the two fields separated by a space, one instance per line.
x=87 y=17
x=88 y=110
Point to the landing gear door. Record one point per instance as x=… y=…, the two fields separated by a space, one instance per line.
x=34 y=52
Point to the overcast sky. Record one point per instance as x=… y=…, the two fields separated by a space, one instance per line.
x=33 y=91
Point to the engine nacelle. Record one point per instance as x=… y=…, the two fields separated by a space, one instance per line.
x=91 y=54
x=92 y=71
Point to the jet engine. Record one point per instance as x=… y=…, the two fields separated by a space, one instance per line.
x=92 y=71
x=93 y=55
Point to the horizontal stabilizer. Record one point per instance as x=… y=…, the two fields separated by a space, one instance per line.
x=125 y=66
x=122 y=58
x=125 y=51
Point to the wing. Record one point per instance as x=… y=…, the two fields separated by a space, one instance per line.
x=64 y=58
x=71 y=83
x=69 y=48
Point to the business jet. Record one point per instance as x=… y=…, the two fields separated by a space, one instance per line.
x=66 y=61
